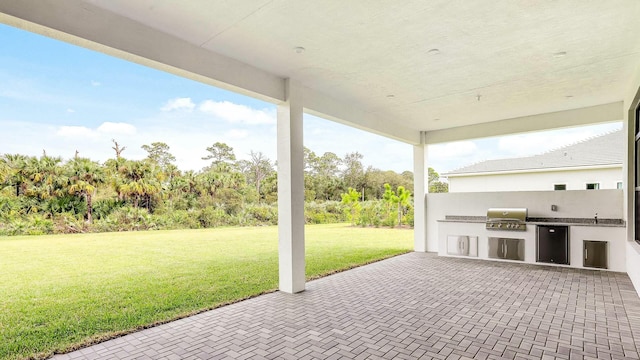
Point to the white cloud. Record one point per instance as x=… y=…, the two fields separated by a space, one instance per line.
x=528 y=144
x=95 y=83
x=236 y=134
x=453 y=149
x=179 y=104
x=518 y=145
x=235 y=113
x=447 y=157
x=116 y=128
x=70 y=111
x=75 y=131
x=321 y=135
x=106 y=128
x=536 y=143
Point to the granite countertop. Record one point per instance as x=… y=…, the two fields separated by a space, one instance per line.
x=463 y=218
x=576 y=222
x=542 y=221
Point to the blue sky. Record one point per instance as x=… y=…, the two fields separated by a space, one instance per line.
x=61 y=98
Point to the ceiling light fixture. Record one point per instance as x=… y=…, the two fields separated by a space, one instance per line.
x=391 y=96
x=560 y=54
x=299 y=49
x=433 y=51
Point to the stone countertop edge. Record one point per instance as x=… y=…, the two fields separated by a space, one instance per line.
x=542 y=221
x=578 y=223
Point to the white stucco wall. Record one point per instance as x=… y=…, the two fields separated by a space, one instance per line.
x=537 y=181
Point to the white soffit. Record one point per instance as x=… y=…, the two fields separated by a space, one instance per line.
x=522 y=58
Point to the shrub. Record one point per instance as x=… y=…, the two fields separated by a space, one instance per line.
x=34 y=224
x=390 y=221
x=8 y=207
x=39 y=225
x=231 y=199
x=212 y=216
x=103 y=208
x=181 y=219
x=259 y=214
x=408 y=218
x=66 y=223
x=326 y=212
x=371 y=213
x=107 y=224
x=71 y=204
x=127 y=218
x=16 y=227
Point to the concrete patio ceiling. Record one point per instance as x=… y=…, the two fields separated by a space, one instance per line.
x=395 y=68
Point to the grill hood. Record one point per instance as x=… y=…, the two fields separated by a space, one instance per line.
x=496 y=214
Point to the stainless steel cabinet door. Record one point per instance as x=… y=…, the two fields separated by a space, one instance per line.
x=506 y=248
x=595 y=254
x=462 y=245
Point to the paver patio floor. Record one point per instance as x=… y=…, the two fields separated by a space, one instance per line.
x=412 y=306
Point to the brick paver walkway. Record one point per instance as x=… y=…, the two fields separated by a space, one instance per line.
x=412 y=306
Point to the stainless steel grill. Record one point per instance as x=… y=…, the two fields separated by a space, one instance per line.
x=512 y=219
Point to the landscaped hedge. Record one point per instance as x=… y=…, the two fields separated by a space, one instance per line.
x=113 y=216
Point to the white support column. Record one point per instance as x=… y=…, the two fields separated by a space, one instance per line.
x=291 y=192
x=420 y=189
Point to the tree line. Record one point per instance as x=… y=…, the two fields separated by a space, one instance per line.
x=45 y=194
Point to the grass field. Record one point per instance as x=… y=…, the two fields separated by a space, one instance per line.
x=60 y=291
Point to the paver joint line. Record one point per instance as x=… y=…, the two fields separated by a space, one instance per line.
x=416 y=305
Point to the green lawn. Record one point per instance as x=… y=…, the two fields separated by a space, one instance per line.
x=60 y=291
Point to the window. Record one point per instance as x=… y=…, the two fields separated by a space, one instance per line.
x=593 y=186
x=560 y=187
x=619 y=185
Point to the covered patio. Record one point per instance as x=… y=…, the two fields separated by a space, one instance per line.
x=422 y=73
x=412 y=306
x=419 y=72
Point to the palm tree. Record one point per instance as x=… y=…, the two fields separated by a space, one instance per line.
x=140 y=180
x=46 y=178
x=210 y=182
x=15 y=174
x=350 y=198
x=191 y=179
x=403 y=200
x=85 y=175
x=4 y=171
x=389 y=198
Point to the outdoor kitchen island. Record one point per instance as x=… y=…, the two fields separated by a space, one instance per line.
x=514 y=245
x=557 y=228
